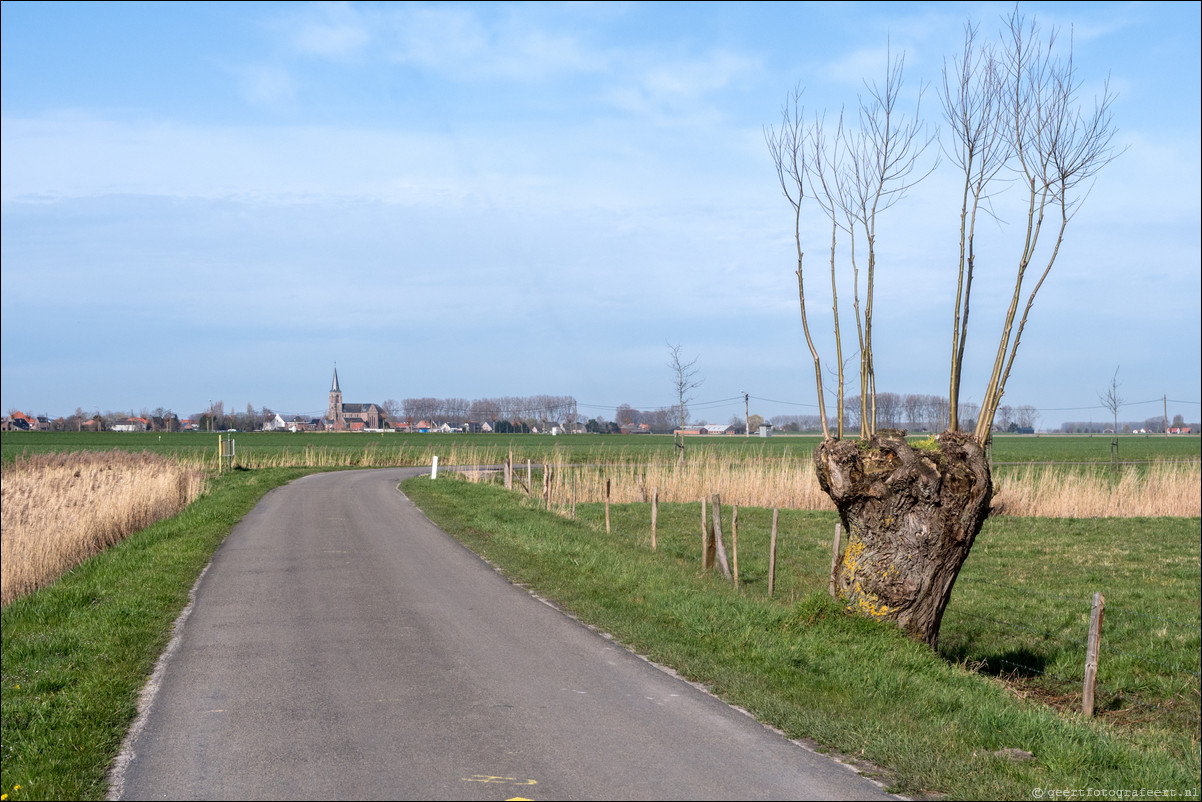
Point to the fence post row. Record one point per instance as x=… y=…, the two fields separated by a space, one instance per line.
x=713 y=550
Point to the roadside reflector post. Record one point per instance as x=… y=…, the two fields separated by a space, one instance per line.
x=434 y=469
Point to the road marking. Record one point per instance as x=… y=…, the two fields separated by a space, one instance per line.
x=490 y=778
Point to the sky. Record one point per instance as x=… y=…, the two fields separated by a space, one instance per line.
x=224 y=201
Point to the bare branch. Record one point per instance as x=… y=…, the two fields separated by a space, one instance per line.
x=1055 y=149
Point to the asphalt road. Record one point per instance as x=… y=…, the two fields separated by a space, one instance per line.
x=343 y=647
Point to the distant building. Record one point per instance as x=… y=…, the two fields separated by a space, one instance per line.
x=342 y=417
x=275 y=424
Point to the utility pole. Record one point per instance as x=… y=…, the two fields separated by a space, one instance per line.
x=746 y=415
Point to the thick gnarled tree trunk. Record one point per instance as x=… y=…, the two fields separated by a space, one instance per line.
x=911 y=515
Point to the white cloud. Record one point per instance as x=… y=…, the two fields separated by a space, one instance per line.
x=266 y=86
x=330 y=30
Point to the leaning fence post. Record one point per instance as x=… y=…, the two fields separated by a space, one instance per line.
x=1091 y=653
x=707 y=541
x=716 y=519
x=772 y=554
x=835 y=557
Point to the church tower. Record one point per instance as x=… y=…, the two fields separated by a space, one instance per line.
x=334 y=415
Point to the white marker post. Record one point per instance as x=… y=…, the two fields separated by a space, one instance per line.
x=434 y=469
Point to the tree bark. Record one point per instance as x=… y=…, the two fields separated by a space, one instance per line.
x=911 y=516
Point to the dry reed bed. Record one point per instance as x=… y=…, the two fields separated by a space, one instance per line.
x=1160 y=489
x=57 y=510
x=786 y=481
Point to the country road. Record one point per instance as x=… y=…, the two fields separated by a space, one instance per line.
x=342 y=647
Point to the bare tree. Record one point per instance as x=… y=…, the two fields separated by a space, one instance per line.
x=684 y=382
x=1111 y=399
x=1016 y=127
x=1027 y=416
x=485 y=410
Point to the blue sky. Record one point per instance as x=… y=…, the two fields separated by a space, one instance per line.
x=221 y=201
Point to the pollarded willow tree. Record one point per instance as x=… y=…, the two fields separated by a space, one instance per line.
x=1017 y=132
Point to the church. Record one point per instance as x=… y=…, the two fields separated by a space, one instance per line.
x=351 y=417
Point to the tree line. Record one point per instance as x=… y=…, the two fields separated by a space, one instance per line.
x=521 y=413
x=915 y=412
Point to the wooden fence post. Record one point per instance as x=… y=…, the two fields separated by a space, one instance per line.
x=707 y=541
x=835 y=558
x=772 y=554
x=734 y=542
x=547 y=485
x=718 y=544
x=654 y=513
x=1091 y=653
x=607 y=506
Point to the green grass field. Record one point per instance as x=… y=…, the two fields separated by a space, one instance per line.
x=1021 y=606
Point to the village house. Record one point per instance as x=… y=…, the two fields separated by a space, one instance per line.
x=20 y=422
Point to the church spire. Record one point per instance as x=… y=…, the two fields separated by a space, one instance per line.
x=335 y=414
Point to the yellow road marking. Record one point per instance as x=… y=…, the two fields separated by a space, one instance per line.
x=492 y=778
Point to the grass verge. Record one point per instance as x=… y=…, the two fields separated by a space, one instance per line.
x=798 y=662
x=76 y=654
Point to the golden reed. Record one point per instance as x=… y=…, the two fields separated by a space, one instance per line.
x=1159 y=489
x=57 y=510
